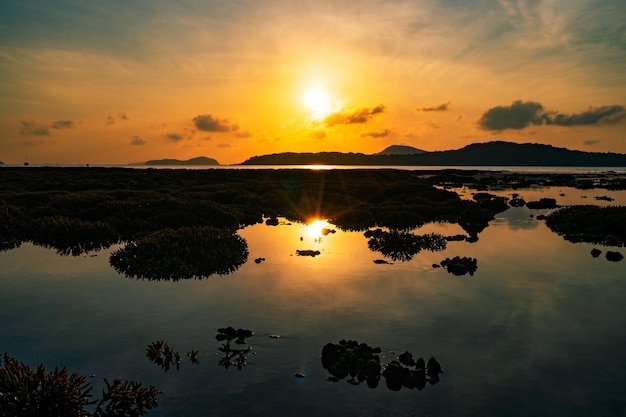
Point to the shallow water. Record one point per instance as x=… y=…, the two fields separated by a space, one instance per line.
x=538 y=330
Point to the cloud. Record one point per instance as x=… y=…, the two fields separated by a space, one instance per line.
x=441 y=107
x=34 y=129
x=223 y=145
x=359 y=116
x=210 y=123
x=175 y=137
x=113 y=118
x=320 y=134
x=591 y=141
x=516 y=116
x=137 y=141
x=520 y=115
x=62 y=124
x=243 y=135
x=604 y=114
x=380 y=134
x=37 y=142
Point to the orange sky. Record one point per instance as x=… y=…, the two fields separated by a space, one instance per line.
x=117 y=82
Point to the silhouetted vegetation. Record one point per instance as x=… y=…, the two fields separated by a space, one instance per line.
x=592 y=224
x=25 y=392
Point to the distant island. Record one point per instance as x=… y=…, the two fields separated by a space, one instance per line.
x=497 y=153
x=400 y=150
x=199 y=161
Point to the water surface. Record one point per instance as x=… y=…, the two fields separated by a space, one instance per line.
x=539 y=329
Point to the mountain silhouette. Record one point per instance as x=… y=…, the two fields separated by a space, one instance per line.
x=200 y=160
x=497 y=153
x=400 y=150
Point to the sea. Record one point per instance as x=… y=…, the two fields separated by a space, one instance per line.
x=538 y=329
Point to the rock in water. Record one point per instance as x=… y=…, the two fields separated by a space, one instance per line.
x=614 y=256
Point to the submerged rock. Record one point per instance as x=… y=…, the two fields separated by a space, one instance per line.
x=272 y=221
x=311 y=253
x=614 y=256
x=543 y=203
x=433 y=369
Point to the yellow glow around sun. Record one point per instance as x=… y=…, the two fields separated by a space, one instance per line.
x=318 y=100
x=314 y=229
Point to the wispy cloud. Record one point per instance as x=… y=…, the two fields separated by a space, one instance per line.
x=441 y=107
x=520 y=115
x=595 y=115
x=381 y=134
x=359 y=116
x=114 y=118
x=34 y=129
x=243 y=135
x=210 y=123
x=137 y=141
x=174 y=137
x=62 y=124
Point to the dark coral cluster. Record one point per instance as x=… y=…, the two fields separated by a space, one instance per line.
x=403 y=246
x=29 y=392
x=162 y=354
x=460 y=265
x=229 y=333
x=591 y=224
x=183 y=253
x=362 y=363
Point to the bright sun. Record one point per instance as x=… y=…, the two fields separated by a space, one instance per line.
x=318 y=101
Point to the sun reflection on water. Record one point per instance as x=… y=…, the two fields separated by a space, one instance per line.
x=317 y=228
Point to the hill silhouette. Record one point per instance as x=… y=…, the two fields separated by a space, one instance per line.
x=497 y=153
x=400 y=150
x=200 y=160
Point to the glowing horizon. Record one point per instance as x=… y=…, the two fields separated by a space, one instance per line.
x=120 y=83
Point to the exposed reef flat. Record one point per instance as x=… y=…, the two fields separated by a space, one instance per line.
x=82 y=209
x=592 y=224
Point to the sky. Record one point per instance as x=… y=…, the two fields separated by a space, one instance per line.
x=116 y=82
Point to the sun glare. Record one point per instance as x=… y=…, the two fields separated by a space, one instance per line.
x=318 y=101
x=315 y=228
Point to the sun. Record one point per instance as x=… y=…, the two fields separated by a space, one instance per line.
x=315 y=228
x=318 y=101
